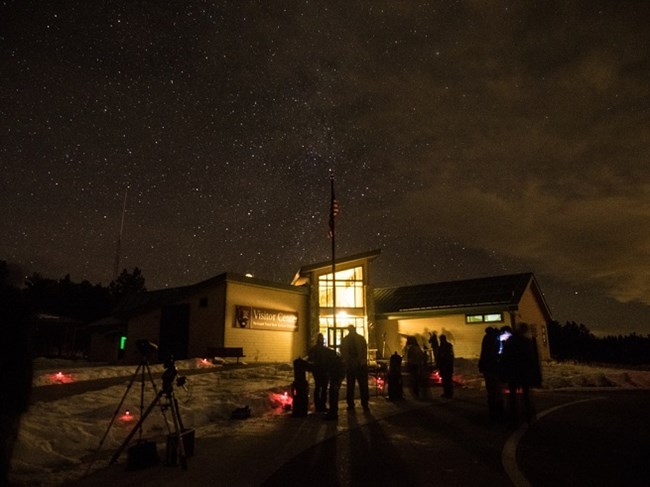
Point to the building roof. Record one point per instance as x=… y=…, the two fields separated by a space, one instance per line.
x=142 y=302
x=499 y=291
x=304 y=271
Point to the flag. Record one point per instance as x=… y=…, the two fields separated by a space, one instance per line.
x=334 y=209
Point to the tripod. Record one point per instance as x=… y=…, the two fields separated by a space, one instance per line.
x=143 y=367
x=144 y=372
x=171 y=403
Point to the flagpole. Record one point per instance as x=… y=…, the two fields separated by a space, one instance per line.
x=333 y=234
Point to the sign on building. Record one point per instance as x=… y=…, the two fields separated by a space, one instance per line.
x=265 y=319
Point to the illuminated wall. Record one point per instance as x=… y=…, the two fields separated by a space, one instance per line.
x=267 y=345
x=212 y=320
x=466 y=337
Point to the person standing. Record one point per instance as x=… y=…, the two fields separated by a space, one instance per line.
x=446 y=366
x=435 y=347
x=354 y=351
x=415 y=360
x=520 y=369
x=335 y=370
x=316 y=358
x=488 y=365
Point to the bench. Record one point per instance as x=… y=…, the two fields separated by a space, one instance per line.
x=226 y=352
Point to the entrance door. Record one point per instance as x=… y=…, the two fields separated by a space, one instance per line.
x=174 y=332
x=335 y=335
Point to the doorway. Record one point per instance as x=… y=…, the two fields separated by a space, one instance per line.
x=174 y=332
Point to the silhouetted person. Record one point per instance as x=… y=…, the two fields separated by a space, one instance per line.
x=321 y=379
x=354 y=351
x=15 y=368
x=518 y=364
x=435 y=346
x=335 y=370
x=488 y=365
x=446 y=366
x=415 y=361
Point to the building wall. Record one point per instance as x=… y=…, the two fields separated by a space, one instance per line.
x=267 y=345
x=466 y=338
x=104 y=347
x=530 y=313
x=207 y=312
x=212 y=314
x=143 y=327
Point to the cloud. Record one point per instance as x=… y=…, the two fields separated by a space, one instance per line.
x=594 y=240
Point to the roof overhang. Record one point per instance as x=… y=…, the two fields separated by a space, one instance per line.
x=301 y=277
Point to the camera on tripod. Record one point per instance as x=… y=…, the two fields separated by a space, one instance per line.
x=145 y=347
x=171 y=373
x=180 y=441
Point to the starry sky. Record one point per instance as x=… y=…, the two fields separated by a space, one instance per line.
x=467 y=139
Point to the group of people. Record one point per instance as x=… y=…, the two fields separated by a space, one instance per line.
x=509 y=358
x=329 y=368
x=417 y=364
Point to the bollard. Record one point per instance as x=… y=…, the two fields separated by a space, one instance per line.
x=395 y=388
x=300 y=388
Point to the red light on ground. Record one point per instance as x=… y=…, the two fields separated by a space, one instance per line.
x=61 y=378
x=380 y=383
x=283 y=400
x=204 y=362
x=127 y=416
x=435 y=377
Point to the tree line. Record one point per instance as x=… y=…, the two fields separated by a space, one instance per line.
x=83 y=302
x=573 y=341
x=43 y=316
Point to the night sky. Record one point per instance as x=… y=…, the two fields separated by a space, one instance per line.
x=467 y=139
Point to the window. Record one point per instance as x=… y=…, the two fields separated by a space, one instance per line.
x=474 y=319
x=349 y=289
x=494 y=318
x=484 y=318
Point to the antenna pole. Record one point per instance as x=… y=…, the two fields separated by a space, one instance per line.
x=118 y=249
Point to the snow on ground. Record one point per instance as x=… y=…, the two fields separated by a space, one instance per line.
x=59 y=439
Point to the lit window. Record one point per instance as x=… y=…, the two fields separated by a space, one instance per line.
x=486 y=318
x=349 y=289
x=494 y=318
